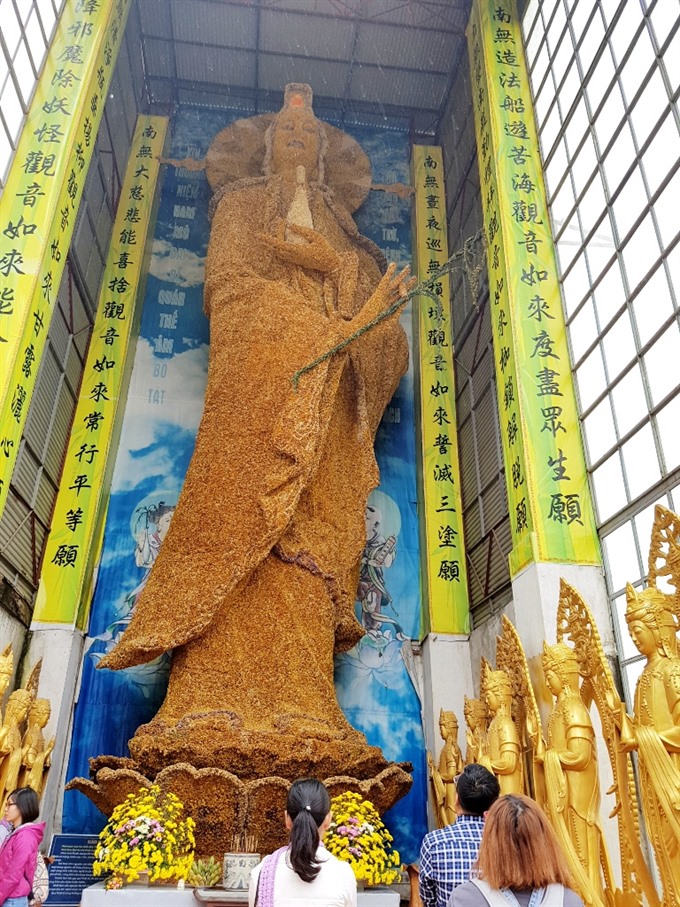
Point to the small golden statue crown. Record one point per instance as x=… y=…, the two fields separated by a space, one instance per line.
x=448 y=716
x=651 y=602
x=475 y=708
x=498 y=682
x=6 y=660
x=559 y=657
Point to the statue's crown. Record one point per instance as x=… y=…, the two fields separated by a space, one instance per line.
x=475 y=708
x=649 y=603
x=448 y=716
x=298 y=96
x=556 y=658
x=6 y=661
x=498 y=682
x=22 y=697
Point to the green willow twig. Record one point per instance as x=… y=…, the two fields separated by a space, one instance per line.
x=422 y=289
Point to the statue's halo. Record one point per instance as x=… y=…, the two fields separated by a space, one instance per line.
x=237 y=152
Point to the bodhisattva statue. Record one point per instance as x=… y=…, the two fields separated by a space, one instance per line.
x=6 y=671
x=450 y=764
x=18 y=705
x=571 y=777
x=504 y=747
x=255 y=603
x=652 y=618
x=36 y=755
x=476 y=719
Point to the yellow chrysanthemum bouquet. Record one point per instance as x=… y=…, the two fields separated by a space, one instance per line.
x=148 y=832
x=358 y=835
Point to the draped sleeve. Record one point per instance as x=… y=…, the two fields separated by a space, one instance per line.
x=259 y=441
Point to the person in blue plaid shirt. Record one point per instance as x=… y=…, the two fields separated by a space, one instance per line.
x=448 y=854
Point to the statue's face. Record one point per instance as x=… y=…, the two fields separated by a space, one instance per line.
x=492 y=700
x=447 y=728
x=17 y=709
x=295 y=141
x=554 y=683
x=40 y=711
x=643 y=637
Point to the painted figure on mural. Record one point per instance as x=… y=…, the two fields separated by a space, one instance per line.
x=288 y=277
x=372 y=594
x=149 y=526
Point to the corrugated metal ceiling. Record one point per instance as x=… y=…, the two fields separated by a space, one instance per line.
x=366 y=60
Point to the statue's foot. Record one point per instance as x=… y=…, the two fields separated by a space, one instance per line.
x=292 y=746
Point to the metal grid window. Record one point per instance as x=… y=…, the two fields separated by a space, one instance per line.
x=35 y=480
x=606 y=78
x=485 y=507
x=25 y=33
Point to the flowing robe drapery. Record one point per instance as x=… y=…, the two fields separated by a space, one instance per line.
x=254 y=587
x=657 y=706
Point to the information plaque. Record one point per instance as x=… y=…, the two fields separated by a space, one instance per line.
x=71 y=870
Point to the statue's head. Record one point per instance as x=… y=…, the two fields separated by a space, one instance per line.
x=651 y=621
x=6 y=668
x=39 y=712
x=18 y=704
x=560 y=664
x=295 y=137
x=448 y=724
x=475 y=713
x=497 y=689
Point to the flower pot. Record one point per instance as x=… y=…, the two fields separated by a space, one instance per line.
x=236 y=870
x=142 y=878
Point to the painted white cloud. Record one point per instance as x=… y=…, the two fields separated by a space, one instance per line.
x=180 y=383
x=166 y=264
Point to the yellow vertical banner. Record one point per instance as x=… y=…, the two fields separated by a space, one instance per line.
x=40 y=201
x=551 y=511
x=68 y=559
x=445 y=588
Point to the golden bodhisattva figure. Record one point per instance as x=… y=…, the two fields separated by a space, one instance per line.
x=571 y=777
x=652 y=618
x=18 y=705
x=476 y=719
x=36 y=756
x=450 y=764
x=505 y=751
x=512 y=660
x=6 y=670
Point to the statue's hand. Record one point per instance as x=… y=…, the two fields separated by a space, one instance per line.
x=316 y=253
x=392 y=287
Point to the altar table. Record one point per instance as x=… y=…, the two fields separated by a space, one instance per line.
x=145 y=896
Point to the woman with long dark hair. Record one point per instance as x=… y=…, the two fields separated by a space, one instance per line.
x=520 y=862
x=19 y=852
x=304 y=871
